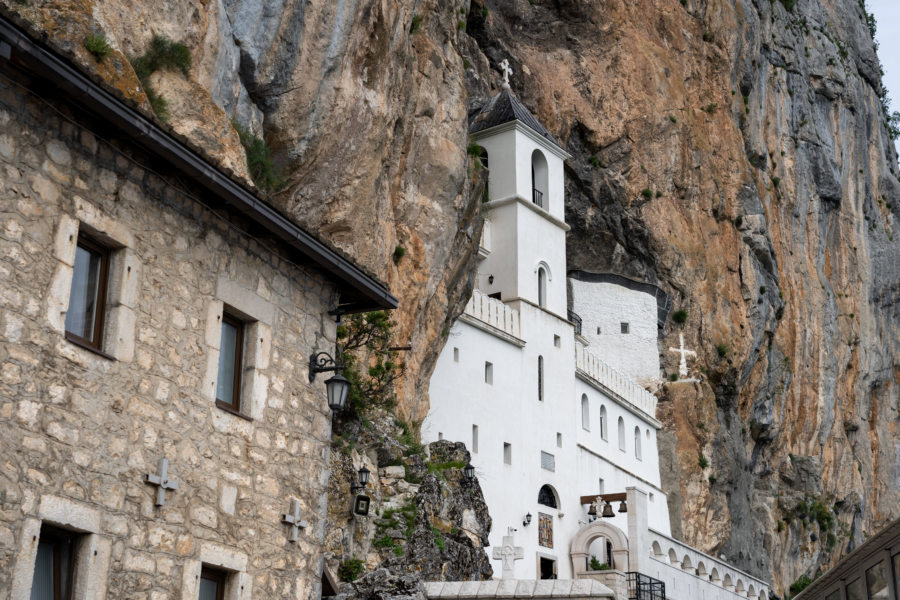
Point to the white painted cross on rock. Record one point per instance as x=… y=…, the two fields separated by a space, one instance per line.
x=682 y=366
x=509 y=553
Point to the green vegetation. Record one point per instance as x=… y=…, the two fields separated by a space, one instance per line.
x=701 y=425
x=789 y=4
x=647 y=193
x=680 y=316
x=259 y=160
x=673 y=376
x=163 y=53
x=712 y=479
x=707 y=35
x=738 y=220
x=399 y=253
x=96 y=44
x=722 y=350
x=384 y=541
x=416 y=24
x=351 y=569
x=710 y=108
x=776 y=181
x=461 y=25
x=673 y=118
x=802 y=582
x=369 y=363
x=596 y=162
x=438 y=538
x=439 y=468
x=762 y=289
x=595 y=564
x=701 y=461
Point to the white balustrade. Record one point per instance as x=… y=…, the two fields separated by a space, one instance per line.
x=618 y=383
x=493 y=312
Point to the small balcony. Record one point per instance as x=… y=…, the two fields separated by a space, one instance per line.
x=537 y=196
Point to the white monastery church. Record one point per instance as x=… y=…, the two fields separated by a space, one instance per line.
x=561 y=431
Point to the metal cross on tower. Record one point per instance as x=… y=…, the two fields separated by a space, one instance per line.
x=162 y=481
x=507 y=71
x=293 y=518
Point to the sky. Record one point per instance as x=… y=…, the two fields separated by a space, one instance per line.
x=887 y=15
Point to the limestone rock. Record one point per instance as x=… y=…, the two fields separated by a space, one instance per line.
x=383 y=585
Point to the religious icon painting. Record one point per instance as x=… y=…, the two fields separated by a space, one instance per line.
x=545 y=530
x=361 y=505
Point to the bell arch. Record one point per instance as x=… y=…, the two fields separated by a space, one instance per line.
x=579 y=550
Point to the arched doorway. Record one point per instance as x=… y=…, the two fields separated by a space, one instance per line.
x=581 y=545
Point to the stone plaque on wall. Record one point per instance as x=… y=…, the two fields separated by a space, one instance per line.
x=545 y=530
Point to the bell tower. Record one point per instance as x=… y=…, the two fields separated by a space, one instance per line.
x=525 y=209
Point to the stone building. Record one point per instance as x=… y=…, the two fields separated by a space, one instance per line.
x=154 y=314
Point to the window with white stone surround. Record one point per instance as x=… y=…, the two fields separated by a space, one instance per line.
x=254 y=316
x=585 y=413
x=86 y=244
x=62 y=524
x=225 y=566
x=621 y=434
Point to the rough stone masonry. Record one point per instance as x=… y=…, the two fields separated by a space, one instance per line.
x=79 y=430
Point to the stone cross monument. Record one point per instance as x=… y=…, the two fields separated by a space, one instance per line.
x=507 y=71
x=509 y=553
x=682 y=366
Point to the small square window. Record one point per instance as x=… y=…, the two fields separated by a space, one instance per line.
x=231 y=362
x=548 y=461
x=507 y=453
x=87 y=296
x=456 y=355
x=212 y=584
x=489 y=373
x=598 y=330
x=440 y=435
x=624 y=327
x=557 y=341
x=54 y=565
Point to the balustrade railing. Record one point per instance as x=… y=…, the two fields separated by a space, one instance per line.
x=537 y=196
x=494 y=313
x=619 y=383
x=575 y=320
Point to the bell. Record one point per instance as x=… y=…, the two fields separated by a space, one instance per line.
x=607 y=510
x=622 y=507
x=592 y=511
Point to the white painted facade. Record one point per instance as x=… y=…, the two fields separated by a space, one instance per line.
x=538 y=408
x=605 y=310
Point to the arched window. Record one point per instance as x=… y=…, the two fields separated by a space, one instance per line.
x=621 y=434
x=585 y=413
x=542 y=287
x=603 y=423
x=539 y=179
x=540 y=378
x=637 y=443
x=547 y=497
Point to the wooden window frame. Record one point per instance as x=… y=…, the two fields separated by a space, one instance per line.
x=217 y=575
x=57 y=537
x=235 y=405
x=102 y=289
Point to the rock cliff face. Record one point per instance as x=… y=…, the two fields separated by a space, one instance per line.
x=732 y=152
x=735 y=154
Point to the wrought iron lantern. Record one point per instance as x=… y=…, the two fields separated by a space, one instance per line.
x=338 y=386
x=527 y=520
x=469 y=472
x=363 y=477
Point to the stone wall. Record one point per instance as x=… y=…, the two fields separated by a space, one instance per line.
x=79 y=431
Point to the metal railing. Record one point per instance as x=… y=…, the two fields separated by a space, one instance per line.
x=537 y=196
x=644 y=587
x=575 y=320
